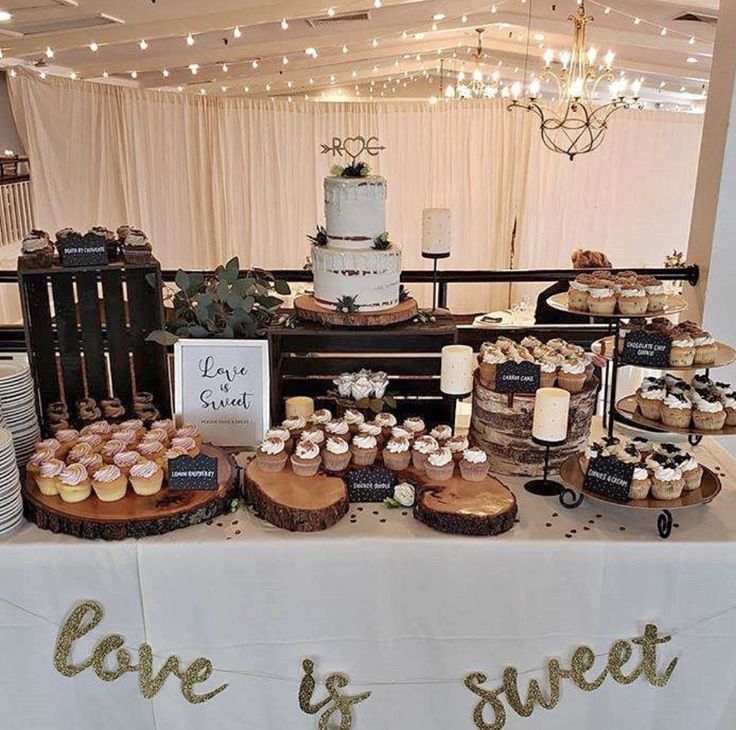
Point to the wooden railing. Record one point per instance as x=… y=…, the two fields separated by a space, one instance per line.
x=16 y=212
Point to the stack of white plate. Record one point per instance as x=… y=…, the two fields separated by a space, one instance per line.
x=18 y=404
x=11 y=504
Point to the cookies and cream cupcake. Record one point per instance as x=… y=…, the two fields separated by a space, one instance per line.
x=709 y=413
x=640 y=482
x=474 y=465
x=364 y=449
x=676 y=410
x=336 y=453
x=271 y=454
x=692 y=472
x=397 y=453
x=306 y=458
x=146 y=477
x=440 y=465
x=73 y=483
x=667 y=481
x=109 y=483
x=421 y=449
x=649 y=401
x=729 y=404
x=592 y=451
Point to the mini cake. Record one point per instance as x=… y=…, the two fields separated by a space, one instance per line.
x=440 y=465
x=421 y=449
x=640 y=483
x=649 y=400
x=354 y=419
x=73 y=483
x=415 y=426
x=457 y=446
x=37 y=250
x=474 y=465
x=572 y=375
x=336 y=454
x=47 y=476
x=682 y=353
x=109 y=483
x=146 y=478
x=667 y=481
x=271 y=455
x=306 y=459
x=364 y=449
x=125 y=459
x=709 y=413
x=136 y=247
x=601 y=297
x=676 y=410
x=632 y=299
x=396 y=453
x=441 y=433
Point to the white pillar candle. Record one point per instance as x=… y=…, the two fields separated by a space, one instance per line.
x=551 y=411
x=299 y=405
x=456 y=373
x=436 y=231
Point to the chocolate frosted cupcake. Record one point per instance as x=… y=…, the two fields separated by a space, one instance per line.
x=709 y=413
x=108 y=238
x=306 y=459
x=474 y=465
x=136 y=247
x=336 y=454
x=37 y=250
x=271 y=455
x=397 y=453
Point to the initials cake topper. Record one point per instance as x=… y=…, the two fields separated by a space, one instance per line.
x=352 y=147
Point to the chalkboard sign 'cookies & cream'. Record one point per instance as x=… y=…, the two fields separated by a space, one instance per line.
x=223 y=388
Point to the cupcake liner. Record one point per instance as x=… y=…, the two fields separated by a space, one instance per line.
x=667 y=490
x=268 y=462
x=577 y=299
x=474 y=472
x=650 y=408
x=639 y=489
x=709 y=421
x=705 y=355
x=657 y=302
x=336 y=462
x=440 y=473
x=146 y=487
x=602 y=306
x=547 y=380
x=304 y=468
x=675 y=417
x=396 y=462
x=364 y=457
x=633 y=305
x=418 y=460
x=571 y=382
x=110 y=491
x=136 y=256
x=682 y=356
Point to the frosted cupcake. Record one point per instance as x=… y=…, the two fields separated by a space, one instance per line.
x=729 y=405
x=676 y=411
x=640 y=483
x=173 y=453
x=167 y=425
x=488 y=361
x=109 y=483
x=364 y=449
x=682 y=353
x=705 y=349
x=67 y=437
x=91 y=462
x=577 y=294
x=441 y=433
x=421 y=449
x=548 y=372
x=271 y=455
x=73 y=484
x=667 y=481
x=601 y=297
x=401 y=432
x=93 y=439
x=592 y=451
x=154 y=450
x=191 y=431
x=38 y=458
x=440 y=465
x=632 y=300
x=656 y=294
x=397 y=453
x=133 y=424
x=457 y=446
x=294 y=426
x=314 y=434
x=305 y=460
x=415 y=426
x=283 y=435
x=187 y=443
x=474 y=465
x=386 y=421
x=146 y=478
x=572 y=375
x=338 y=427
x=111 y=448
x=37 y=250
x=371 y=428
x=101 y=428
x=79 y=451
x=336 y=454
x=51 y=444
x=320 y=417
x=354 y=419
x=47 y=476
x=643 y=445
x=125 y=460
x=649 y=401
x=136 y=247
x=158 y=434
x=709 y=414
x=702 y=383
x=692 y=472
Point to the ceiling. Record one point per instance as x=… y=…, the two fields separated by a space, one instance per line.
x=244 y=47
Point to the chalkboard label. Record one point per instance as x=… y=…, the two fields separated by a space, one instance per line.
x=609 y=477
x=647 y=348
x=188 y=474
x=517 y=377
x=89 y=250
x=370 y=484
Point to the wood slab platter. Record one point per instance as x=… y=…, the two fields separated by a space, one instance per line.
x=627 y=408
x=298 y=504
x=306 y=307
x=725 y=355
x=572 y=475
x=675 y=304
x=134 y=516
x=466 y=508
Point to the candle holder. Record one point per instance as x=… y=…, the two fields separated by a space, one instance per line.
x=435 y=258
x=545 y=487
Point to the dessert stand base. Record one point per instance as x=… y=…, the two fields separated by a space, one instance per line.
x=306 y=307
x=134 y=516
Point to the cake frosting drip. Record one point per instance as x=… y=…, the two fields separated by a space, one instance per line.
x=355 y=210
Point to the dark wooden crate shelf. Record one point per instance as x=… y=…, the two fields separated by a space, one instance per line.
x=86 y=330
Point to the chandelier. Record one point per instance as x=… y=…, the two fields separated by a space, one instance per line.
x=574 y=125
x=475 y=87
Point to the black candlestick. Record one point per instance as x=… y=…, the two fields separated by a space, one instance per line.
x=545 y=487
x=435 y=258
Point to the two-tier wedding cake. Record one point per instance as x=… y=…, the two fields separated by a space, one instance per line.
x=355 y=266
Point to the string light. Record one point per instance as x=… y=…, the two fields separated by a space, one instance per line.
x=190 y=39
x=13 y=74
x=344 y=49
x=311 y=52
x=133 y=74
x=663 y=31
x=254 y=63
x=225 y=68
x=237 y=32
x=374 y=42
x=105 y=74
x=224 y=89
x=285 y=60
x=377 y=3
x=73 y=75
x=464 y=18
x=331 y=12
x=94 y=47
x=268 y=87
x=692 y=40
x=284 y=24
x=607 y=11
x=180 y=89
x=494 y=9
x=434 y=27
x=165 y=73
x=404 y=34
x=246 y=89
x=194 y=68
x=42 y=74
x=637 y=21
x=49 y=52
x=143 y=44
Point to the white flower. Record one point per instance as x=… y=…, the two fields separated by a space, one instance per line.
x=361 y=388
x=404 y=494
x=344 y=385
x=378 y=376
x=379 y=388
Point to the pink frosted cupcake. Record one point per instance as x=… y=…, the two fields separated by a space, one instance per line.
x=167 y=424
x=440 y=465
x=47 y=476
x=111 y=448
x=146 y=478
x=191 y=431
x=306 y=459
x=125 y=460
x=157 y=434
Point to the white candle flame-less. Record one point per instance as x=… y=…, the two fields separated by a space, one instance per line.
x=436 y=232
x=456 y=374
x=299 y=405
x=551 y=414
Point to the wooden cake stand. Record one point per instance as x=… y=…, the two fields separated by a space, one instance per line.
x=306 y=307
x=134 y=516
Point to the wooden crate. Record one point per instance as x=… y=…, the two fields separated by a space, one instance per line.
x=86 y=330
x=305 y=360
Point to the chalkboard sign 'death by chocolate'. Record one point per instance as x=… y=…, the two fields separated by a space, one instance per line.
x=610 y=477
x=193 y=474
x=87 y=250
x=517 y=377
x=650 y=349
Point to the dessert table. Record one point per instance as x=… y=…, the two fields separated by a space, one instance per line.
x=404 y=611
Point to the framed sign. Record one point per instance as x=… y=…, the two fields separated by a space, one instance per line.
x=222 y=387
x=517 y=377
x=650 y=349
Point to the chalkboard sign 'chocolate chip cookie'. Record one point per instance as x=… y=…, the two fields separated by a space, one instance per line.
x=198 y=473
x=517 y=377
x=651 y=349
x=610 y=477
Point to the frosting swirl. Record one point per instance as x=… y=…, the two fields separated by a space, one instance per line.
x=306 y=449
x=144 y=469
x=475 y=455
x=73 y=475
x=336 y=445
x=107 y=474
x=441 y=457
x=51 y=468
x=398 y=444
x=365 y=441
x=426 y=444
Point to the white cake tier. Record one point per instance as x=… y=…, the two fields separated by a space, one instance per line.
x=370 y=276
x=355 y=210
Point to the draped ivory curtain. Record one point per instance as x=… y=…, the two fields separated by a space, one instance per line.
x=208 y=178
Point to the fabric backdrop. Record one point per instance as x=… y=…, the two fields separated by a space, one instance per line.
x=208 y=178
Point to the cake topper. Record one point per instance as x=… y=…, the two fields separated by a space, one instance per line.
x=353 y=147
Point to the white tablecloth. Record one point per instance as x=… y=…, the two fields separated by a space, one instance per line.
x=405 y=611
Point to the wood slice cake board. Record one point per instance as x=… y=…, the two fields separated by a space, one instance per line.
x=134 y=516
x=306 y=307
x=460 y=507
x=294 y=503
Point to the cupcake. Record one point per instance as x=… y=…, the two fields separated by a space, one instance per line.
x=415 y=426
x=397 y=453
x=271 y=455
x=111 y=448
x=167 y=425
x=305 y=460
x=572 y=375
x=136 y=248
x=100 y=428
x=113 y=411
x=692 y=472
x=294 y=426
x=632 y=300
x=667 y=481
x=79 y=451
x=705 y=349
x=135 y=425
x=283 y=435
x=669 y=450
x=488 y=361
x=364 y=449
x=649 y=401
x=67 y=437
x=729 y=405
x=577 y=293
x=320 y=417
x=37 y=250
x=50 y=444
x=354 y=419
x=611 y=446
x=656 y=294
x=122 y=232
x=643 y=445
x=371 y=428
x=676 y=411
x=173 y=453
x=629 y=454
x=39 y=457
x=109 y=239
x=338 y=427
x=386 y=421
x=474 y=465
x=547 y=372
x=709 y=414
x=440 y=465
x=109 y=483
x=457 y=446
x=702 y=383
x=441 y=433
x=155 y=450
x=191 y=431
x=146 y=478
x=93 y=439
x=640 y=483
x=73 y=483
x=421 y=449
x=592 y=451
x=314 y=434
x=601 y=297
x=125 y=459
x=682 y=352
x=188 y=444
x=336 y=454
x=157 y=434
x=47 y=475
x=91 y=462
